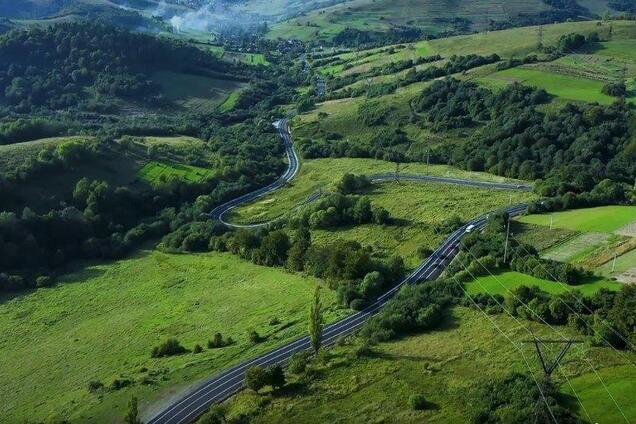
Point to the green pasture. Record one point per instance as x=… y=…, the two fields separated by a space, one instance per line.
x=601 y=219
x=155 y=172
x=102 y=321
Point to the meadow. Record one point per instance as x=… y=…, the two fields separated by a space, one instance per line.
x=102 y=321
x=323 y=174
x=419 y=209
x=602 y=219
x=14 y=155
x=383 y=15
x=568 y=87
x=155 y=172
x=447 y=366
x=195 y=92
x=503 y=282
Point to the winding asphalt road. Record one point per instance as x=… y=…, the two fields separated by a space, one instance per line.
x=223 y=385
x=293 y=167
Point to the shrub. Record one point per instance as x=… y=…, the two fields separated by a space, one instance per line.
x=95 y=385
x=120 y=383
x=256 y=378
x=218 y=341
x=168 y=348
x=417 y=402
x=298 y=362
x=255 y=337
x=197 y=349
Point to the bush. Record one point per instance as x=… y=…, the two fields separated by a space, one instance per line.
x=120 y=383
x=256 y=378
x=255 y=337
x=298 y=362
x=95 y=385
x=218 y=341
x=197 y=349
x=168 y=348
x=418 y=402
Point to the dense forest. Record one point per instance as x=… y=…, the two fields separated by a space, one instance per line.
x=67 y=62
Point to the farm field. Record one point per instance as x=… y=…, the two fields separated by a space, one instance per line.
x=323 y=174
x=602 y=219
x=195 y=92
x=155 y=172
x=576 y=247
x=502 y=282
x=515 y=42
x=446 y=366
x=101 y=323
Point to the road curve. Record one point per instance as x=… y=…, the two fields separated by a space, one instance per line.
x=223 y=385
x=293 y=167
x=227 y=383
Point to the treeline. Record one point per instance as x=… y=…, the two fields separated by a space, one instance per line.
x=454 y=65
x=65 y=60
x=102 y=221
x=337 y=210
x=347 y=266
x=572 y=149
x=353 y=37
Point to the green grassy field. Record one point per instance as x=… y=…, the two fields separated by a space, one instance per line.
x=446 y=366
x=384 y=15
x=502 y=282
x=101 y=323
x=196 y=92
x=156 y=172
x=559 y=85
x=322 y=174
x=419 y=209
x=602 y=219
x=14 y=155
x=230 y=101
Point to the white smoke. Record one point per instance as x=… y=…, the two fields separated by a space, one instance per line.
x=203 y=19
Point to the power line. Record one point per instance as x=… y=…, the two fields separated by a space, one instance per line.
x=459 y=284
x=587 y=308
x=475 y=280
x=550 y=326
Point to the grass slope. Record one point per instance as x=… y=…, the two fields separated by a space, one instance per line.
x=502 y=282
x=602 y=219
x=322 y=174
x=102 y=322
x=155 y=172
x=446 y=366
x=195 y=92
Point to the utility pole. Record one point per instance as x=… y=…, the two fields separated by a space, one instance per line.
x=428 y=157
x=397 y=171
x=614 y=262
x=540 y=37
x=551 y=221
x=507 y=238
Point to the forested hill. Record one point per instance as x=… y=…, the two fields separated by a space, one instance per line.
x=53 y=67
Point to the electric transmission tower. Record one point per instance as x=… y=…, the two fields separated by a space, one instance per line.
x=541 y=414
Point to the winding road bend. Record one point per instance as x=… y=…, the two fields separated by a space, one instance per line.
x=223 y=385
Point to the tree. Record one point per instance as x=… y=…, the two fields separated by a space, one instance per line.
x=132 y=416
x=316 y=321
x=256 y=378
x=276 y=376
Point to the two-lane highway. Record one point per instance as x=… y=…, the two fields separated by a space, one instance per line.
x=223 y=385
